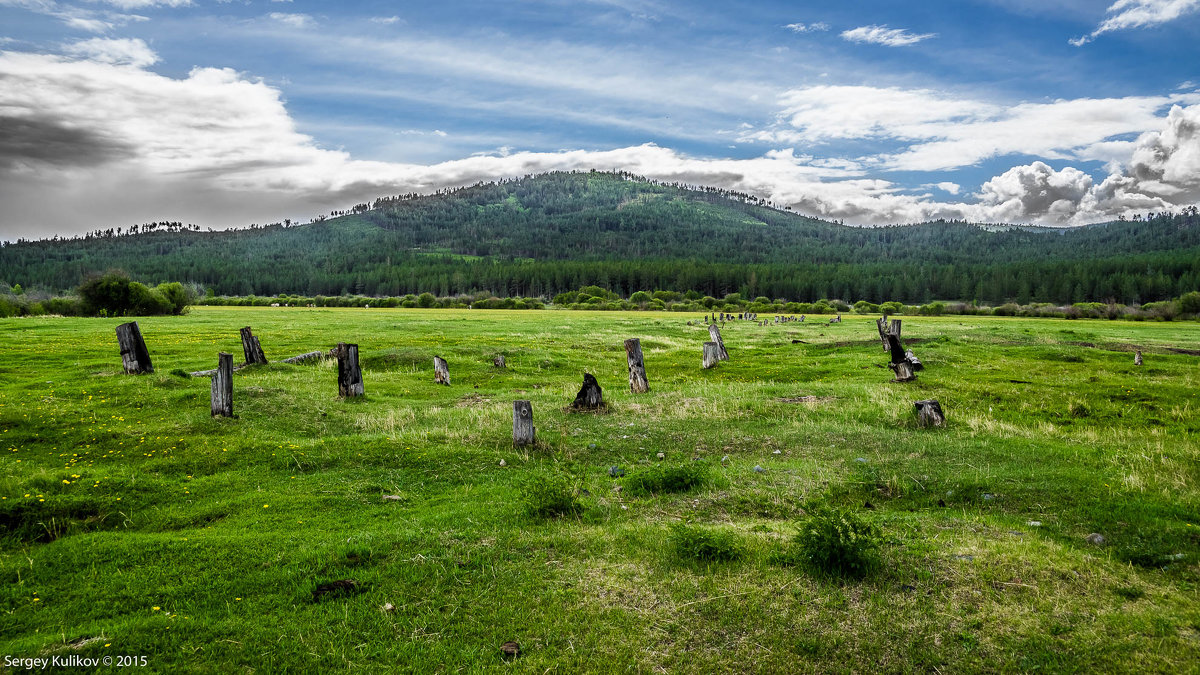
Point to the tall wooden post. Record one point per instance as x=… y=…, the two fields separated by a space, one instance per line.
x=222 y=386
x=523 y=431
x=499 y=361
x=1137 y=357
x=251 y=348
x=637 y=369
x=350 y=382
x=134 y=355
x=714 y=332
x=711 y=355
x=441 y=371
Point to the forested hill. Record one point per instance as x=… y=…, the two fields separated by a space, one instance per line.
x=546 y=234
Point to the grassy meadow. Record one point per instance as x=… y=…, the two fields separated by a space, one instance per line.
x=133 y=523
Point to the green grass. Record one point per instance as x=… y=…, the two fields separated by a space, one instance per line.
x=151 y=528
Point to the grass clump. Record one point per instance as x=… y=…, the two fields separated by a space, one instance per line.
x=701 y=544
x=549 y=495
x=838 y=542
x=666 y=479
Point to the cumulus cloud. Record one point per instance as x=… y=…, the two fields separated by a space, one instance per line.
x=386 y=20
x=134 y=52
x=817 y=27
x=942 y=132
x=1126 y=14
x=882 y=35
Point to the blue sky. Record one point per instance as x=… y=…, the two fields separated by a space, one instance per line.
x=115 y=112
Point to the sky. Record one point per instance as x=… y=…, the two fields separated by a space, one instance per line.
x=225 y=113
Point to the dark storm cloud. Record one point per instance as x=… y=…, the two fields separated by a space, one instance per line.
x=25 y=141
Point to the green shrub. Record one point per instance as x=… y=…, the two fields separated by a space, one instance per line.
x=665 y=479
x=703 y=544
x=838 y=542
x=549 y=494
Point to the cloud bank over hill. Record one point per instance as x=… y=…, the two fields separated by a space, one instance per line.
x=93 y=138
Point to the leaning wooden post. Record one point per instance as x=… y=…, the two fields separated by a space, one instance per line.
x=350 y=382
x=441 y=371
x=714 y=332
x=523 y=431
x=1137 y=357
x=251 y=348
x=134 y=355
x=929 y=413
x=637 y=368
x=222 y=386
x=711 y=355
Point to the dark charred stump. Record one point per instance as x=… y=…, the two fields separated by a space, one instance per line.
x=350 y=382
x=590 y=396
x=251 y=348
x=929 y=413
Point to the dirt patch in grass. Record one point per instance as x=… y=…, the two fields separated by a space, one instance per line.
x=471 y=400
x=810 y=400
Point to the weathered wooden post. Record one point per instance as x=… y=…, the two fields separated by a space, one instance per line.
x=711 y=355
x=929 y=413
x=715 y=333
x=882 y=325
x=523 y=431
x=590 y=396
x=350 y=382
x=637 y=369
x=498 y=362
x=134 y=355
x=441 y=371
x=250 y=346
x=1137 y=357
x=222 y=386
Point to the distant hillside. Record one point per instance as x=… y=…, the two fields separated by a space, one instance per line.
x=546 y=234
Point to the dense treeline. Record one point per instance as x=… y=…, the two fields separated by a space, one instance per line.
x=545 y=235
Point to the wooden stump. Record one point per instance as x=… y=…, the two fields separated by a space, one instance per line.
x=637 y=368
x=929 y=413
x=498 y=362
x=350 y=382
x=222 y=386
x=523 y=431
x=590 y=396
x=711 y=355
x=1137 y=357
x=904 y=372
x=881 y=324
x=715 y=334
x=134 y=355
x=441 y=371
x=251 y=348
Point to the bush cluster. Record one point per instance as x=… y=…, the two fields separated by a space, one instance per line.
x=661 y=479
x=838 y=542
x=550 y=495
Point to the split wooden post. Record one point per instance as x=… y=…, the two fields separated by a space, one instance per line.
x=711 y=355
x=134 y=355
x=350 y=382
x=637 y=368
x=590 y=396
x=498 y=362
x=1137 y=357
x=251 y=348
x=881 y=324
x=715 y=333
x=523 y=431
x=441 y=371
x=929 y=413
x=222 y=386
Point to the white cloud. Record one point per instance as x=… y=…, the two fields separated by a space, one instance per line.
x=817 y=27
x=386 y=20
x=292 y=20
x=939 y=131
x=76 y=17
x=1126 y=14
x=882 y=35
x=134 y=52
x=143 y=4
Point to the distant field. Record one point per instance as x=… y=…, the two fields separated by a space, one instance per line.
x=133 y=523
